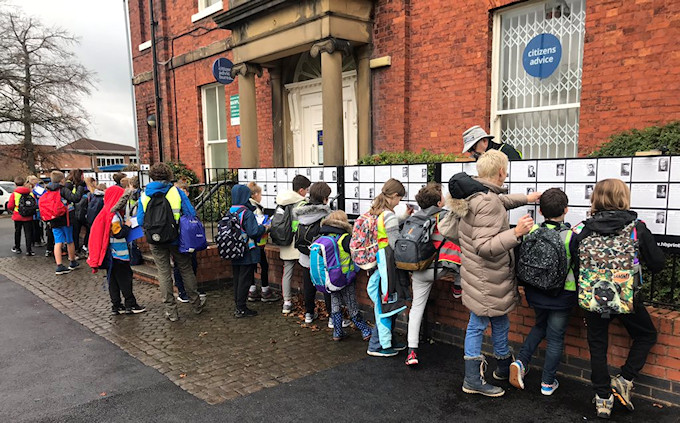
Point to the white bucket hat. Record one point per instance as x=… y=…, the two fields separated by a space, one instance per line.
x=472 y=135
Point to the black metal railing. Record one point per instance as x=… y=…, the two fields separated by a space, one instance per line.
x=662 y=289
x=214 y=197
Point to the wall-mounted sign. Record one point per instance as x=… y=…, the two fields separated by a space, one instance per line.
x=221 y=70
x=238 y=141
x=234 y=110
x=542 y=55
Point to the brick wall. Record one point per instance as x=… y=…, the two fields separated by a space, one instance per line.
x=447 y=319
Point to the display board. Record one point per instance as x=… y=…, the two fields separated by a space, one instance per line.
x=276 y=180
x=654 y=183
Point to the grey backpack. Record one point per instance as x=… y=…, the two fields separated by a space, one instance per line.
x=542 y=260
x=414 y=249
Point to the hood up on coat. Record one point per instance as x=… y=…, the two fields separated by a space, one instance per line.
x=101 y=227
x=610 y=222
x=240 y=196
x=311 y=213
x=462 y=186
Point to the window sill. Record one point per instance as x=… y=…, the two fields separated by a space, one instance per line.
x=144 y=45
x=212 y=9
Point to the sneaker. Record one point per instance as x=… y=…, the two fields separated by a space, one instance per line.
x=183 y=298
x=270 y=296
x=135 y=309
x=549 y=388
x=309 y=317
x=48 y=253
x=62 y=270
x=287 y=308
x=16 y=250
x=254 y=295
x=382 y=352
x=621 y=389
x=603 y=406
x=202 y=295
x=456 y=291
x=398 y=346
x=30 y=253
x=73 y=265
x=116 y=310
x=245 y=313
x=517 y=373
x=412 y=359
x=173 y=317
x=345 y=323
x=202 y=299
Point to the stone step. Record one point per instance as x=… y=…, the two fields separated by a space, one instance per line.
x=146 y=272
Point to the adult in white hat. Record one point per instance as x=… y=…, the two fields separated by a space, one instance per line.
x=476 y=141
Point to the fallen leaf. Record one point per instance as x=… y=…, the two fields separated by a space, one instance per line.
x=658 y=405
x=273 y=341
x=202 y=334
x=103 y=394
x=182 y=375
x=296 y=333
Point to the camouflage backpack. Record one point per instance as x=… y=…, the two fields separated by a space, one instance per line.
x=608 y=266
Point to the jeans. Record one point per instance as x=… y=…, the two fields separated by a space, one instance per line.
x=161 y=256
x=244 y=276
x=179 y=282
x=551 y=325
x=639 y=326
x=28 y=234
x=309 y=291
x=288 y=268
x=474 y=336
x=120 y=280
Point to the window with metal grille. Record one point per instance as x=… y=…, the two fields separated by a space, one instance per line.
x=538 y=115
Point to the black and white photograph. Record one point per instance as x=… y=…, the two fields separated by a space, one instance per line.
x=660 y=217
x=254 y=178
x=309 y=172
x=530 y=190
x=661 y=191
x=334 y=176
x=320 y=174
x=297 y=172
x=371 y=193
x=531 y=171
x=559 y=169
x=589 y=191
x=531 y=213
x=404 y=172
x=355 y=208
x=590 y=168
x=276 y=190
x=274 y=174
x=355 y=175
x=356 y=191
x=424 y=173
x=625 y=169
x=663 y=164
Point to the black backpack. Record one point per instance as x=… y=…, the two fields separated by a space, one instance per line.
x=159 y=225
x=231 y=240
x=414 y=248
x=94 y=206
x=281 y=231
x=28 y=205
x=542 y=260
x=305 y=236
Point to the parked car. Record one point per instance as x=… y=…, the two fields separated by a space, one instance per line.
x=6 y=189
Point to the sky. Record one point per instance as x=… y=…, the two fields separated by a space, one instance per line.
x=101 y=27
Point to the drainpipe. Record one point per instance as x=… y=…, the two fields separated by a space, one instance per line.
x=132 y=87
x=156 y=82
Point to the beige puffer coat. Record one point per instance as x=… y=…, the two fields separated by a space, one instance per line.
x=479 y=224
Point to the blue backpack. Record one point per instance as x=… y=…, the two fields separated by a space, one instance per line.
x=191 y=235
x=326 y=264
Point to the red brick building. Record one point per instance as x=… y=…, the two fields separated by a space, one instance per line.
x=413 y=75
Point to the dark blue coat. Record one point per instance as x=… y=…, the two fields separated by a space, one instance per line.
x=240 y=200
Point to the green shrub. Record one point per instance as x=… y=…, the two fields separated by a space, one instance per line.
x=409 y=157
x=652 y=138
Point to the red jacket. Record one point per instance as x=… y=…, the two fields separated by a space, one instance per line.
x=13 y=204
x=100 y=231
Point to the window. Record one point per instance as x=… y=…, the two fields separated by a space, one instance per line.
x=109 y=160
x=207 y=8
x=215 y=126
x=538 y=115
x=134 y=160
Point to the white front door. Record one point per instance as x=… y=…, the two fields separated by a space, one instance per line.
x=306 y=116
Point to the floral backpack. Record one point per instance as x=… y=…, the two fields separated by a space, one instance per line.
x=607 y=278
x=363 y=245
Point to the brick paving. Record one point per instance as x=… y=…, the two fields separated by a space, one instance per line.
x=213 y=355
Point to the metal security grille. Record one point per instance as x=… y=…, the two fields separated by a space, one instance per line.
x=540 y=116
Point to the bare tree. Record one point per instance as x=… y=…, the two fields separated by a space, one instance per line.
x=41 y=85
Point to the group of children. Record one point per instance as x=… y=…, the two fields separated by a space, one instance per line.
x=477 y=246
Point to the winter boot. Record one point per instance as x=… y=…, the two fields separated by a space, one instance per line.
x=502 y=371
x=338 y=333
x=474 y=382
x=362 y=326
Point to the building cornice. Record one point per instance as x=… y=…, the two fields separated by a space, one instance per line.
x=236 y=16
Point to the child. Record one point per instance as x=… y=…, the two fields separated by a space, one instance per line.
x=288 y=253
x=552 y=312
x=267 y=296
x=244 y=267
x=109 y=232
x=613 y=221
x=381 y=343
x=24 y=223
x=431 y=201
x=38 y=191
x=310 y=215
x=337 y=225
x=62 y=225
x=481 y=228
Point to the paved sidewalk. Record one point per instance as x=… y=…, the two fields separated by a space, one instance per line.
x=213 y=356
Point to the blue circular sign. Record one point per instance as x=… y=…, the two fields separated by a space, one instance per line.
x=221 y=70
x=542 y=55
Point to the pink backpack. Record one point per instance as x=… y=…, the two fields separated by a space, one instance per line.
x=363 y=245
